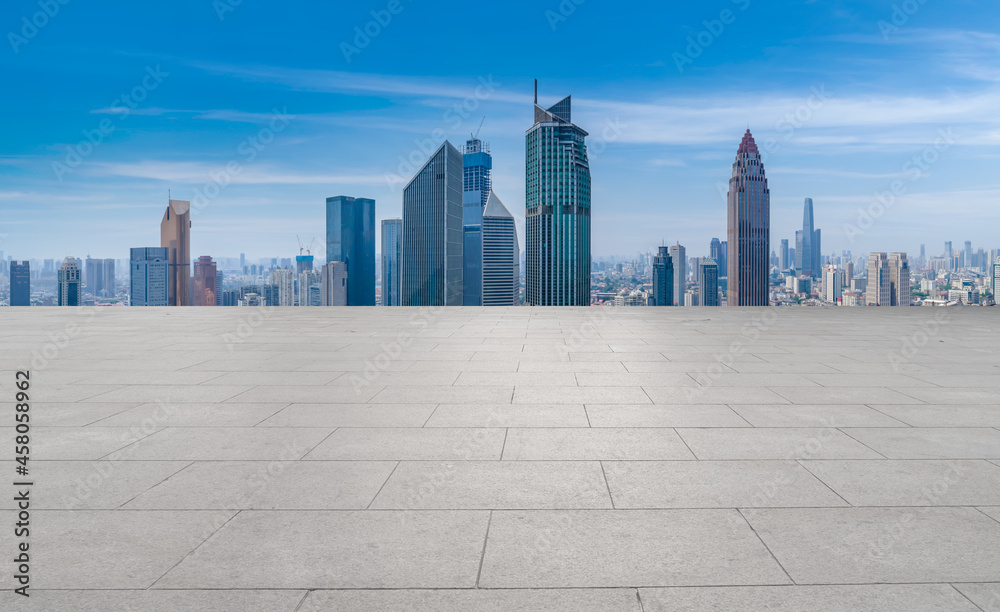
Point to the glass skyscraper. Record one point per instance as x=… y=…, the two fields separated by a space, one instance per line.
x=70 y=283
x=679 y=255
x=175 y=236
x=663 y=278
x=557 y=209
x=392 y=257
x=501 y=256
x=205 y=281
x=807 y=244
x=708 y=283
x=749 y=228
x=350 y=238
x=477 y=182
x=432 y=232
x=148 y=271
x=20 y=283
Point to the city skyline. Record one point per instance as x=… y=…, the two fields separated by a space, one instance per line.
x=843 y=111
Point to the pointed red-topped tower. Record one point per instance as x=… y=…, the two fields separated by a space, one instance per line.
x=749 y=205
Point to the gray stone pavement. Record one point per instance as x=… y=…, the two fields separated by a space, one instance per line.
x=557 y=460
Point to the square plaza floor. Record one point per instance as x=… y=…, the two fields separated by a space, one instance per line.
x=558 y=460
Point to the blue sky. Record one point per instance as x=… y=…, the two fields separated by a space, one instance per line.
x=842 y=96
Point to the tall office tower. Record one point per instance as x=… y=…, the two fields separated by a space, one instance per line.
x=923 y=256
x=679 y=256
x=432 y=232
x=783 y=255
x=350 y=238
x=175 y=235
x=205 y=279
x=663 y=278
x=218 y=288
x=243 y=260
x=392 y=259
x=149 y=274
x=749 y=228
x=949 y=255
x=70 y=283
x=995 y=276
x=718 y=253
x=20 y=283
x=708 y=283
x=284 y=280
x=48 y=266
x=848 y=273
x=110 y=284
x=899 y=280
x=333 y=284
x=501 y=275
x=968 y=254
x=477 y=184
x=557 y=209
x=817 y=254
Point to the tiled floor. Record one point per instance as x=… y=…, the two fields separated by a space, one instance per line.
x=558 y=460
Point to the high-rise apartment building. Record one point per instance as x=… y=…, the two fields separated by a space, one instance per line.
x=334 y=284
x=663 y=278
x=557 y=209
x=833 y=283
x=995 y=276
x=501 y=277
x=175 y=235
x=477 y=186
x=749 y=212
x=350 y=238
x=432 y=232
x=392 y=259
x=205 y=282
x=148 y=276
x=888 y=280
x=70 y=283
x=284 y=280
x=708 y=283
x=679 y=256
x=99 y=277
x=20 y=283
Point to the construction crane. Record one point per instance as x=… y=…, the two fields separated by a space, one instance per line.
x=476 y=133
x=305 y=250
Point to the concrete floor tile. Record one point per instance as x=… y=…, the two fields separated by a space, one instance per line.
x=881 y=545
x=836 y=415
x=930 y=443
x=777 y=443
x=863 y=598
x=312 y=549
x=508 y=415
x=159 y=601
x=226 y=444
x=495 y=485
x=411 y=444
x=712 y=395
x=596 y=444
x=478 y=600
x=268 y=485
x=351 y=415
x=595 y=548
x=192 y=415
x=842 y=395
x=986 y=596
x=715 y=484
x=664 y=416
x=579 y=395
x=911 y=483
x=938 y=415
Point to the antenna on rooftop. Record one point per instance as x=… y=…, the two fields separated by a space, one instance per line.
x=536 y=92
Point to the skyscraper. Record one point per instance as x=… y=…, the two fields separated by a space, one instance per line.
x=663 y=278
x=70 y=283
x=148 y=276
x=749 y=204
x=350 y=238
x=218 y=287
x=501 y=278
x=783 y=255
x=807 y=244
x=392 y=257
x=995 y=276
x=20 y=283
x=679 y=256
x=175 y=235
x=717 y=251
x=432 y=232
x=205 y=280
x=899 y=280
x=477 y=184
x=968 y=254
x=949 y=254
x=708 y=283
x=557 y=209
x=334 y=284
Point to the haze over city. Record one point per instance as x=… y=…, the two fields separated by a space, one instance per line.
x=844 y=99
